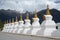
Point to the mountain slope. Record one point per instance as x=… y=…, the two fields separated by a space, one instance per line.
x=9 y=14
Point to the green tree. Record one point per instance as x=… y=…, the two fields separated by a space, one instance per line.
x=1 y=25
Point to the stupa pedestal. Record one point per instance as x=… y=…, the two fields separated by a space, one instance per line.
x=35 y=26
x=15 y=27
x=11 y=27
x=20 y=27
x=50 y=25
x=27 y=27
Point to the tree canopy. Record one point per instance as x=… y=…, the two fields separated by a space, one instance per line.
x=1 y=25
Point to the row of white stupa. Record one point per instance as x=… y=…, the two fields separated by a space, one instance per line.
x=47 y=28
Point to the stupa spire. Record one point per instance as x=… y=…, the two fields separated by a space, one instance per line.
x=21 y=18
x=7 y=21
x=12 y=20
x=35 y=14
x=27 y=16
x=16 y=19
x=47 y=10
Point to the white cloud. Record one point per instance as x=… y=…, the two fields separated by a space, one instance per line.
x=57 y=6
x=30 y=5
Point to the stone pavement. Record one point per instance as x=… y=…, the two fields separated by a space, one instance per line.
x=9 y=36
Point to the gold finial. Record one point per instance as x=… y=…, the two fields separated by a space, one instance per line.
x=35 y=14
x=7 y=21
x=27 y=16
x=21 y=18
x=47 y=6
x=16 y=19
x=12 y=20
x=47 y=10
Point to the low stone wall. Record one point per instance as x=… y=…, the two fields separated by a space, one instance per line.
x=35 y=37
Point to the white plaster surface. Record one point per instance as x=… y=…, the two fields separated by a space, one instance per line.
x=49 y=25
x=20 y=27
x=27 y=26
x=34 y=31
x=57 y=32
x=15 y=27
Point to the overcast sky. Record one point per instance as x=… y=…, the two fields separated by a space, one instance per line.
x=30 y=5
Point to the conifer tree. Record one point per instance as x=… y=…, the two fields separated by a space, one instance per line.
x=1 y=25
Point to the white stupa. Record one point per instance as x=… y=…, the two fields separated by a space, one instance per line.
x=4 y=28
x=57 y=32
x=15 y=26
x=48 y=23
x=27 y=25
x=41 y=32
x=7 y=26
x=35 y=25
x=11 y=26
x=20 y=25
